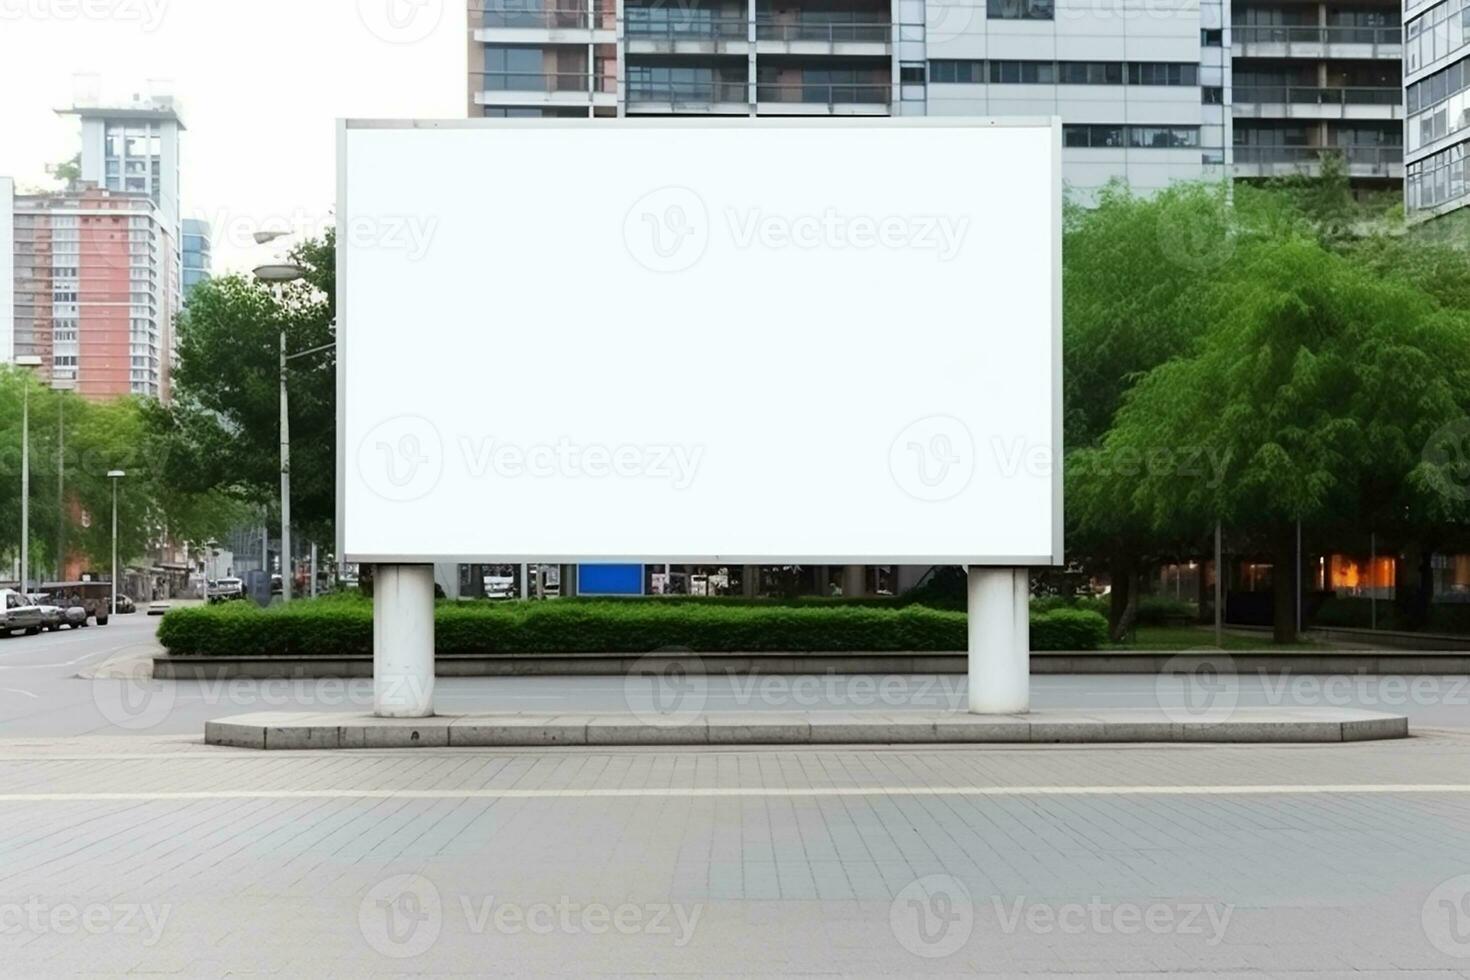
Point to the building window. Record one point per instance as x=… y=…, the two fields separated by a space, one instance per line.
x=912 y=74
x=1212 y=95
x=1211 y=37
x=1023 y=73
x=1020 y=9
x=952 y=72
x=1162 y=73
x=1091 y=72
x=1118 y=136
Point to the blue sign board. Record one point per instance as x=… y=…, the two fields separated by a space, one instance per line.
x=609 y=579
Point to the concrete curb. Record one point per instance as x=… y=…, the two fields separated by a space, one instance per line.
x=617 y=665
x=284 y=730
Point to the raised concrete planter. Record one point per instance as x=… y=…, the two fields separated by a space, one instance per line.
x=602 y=664
x=284 y=730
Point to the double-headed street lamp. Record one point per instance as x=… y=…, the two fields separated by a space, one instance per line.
x=278 y=275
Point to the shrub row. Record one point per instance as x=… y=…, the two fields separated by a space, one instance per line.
x=344 y=626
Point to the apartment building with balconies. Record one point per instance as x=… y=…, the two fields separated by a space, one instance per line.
x=1437 y=107
x=1139 y=85
x=1314 y=78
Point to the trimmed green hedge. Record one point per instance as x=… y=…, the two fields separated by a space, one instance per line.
x=343 y=626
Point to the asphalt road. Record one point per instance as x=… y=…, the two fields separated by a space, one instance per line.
x=43 y=694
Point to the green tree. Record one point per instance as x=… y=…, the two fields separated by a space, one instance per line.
x=223 y=428
x=1320 y=387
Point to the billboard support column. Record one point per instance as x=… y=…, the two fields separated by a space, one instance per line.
x=1000 y=640
x=403 y=641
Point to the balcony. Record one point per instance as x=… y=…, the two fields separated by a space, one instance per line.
x=533 y=22
x=699 y=97
x=1317 y=43
x=660 y=30
x=1386 y=162
x=816 y=99
x=850 y=37
x=1311 y=102
x=545 y=88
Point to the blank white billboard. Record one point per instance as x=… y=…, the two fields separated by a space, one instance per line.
x=744 y=341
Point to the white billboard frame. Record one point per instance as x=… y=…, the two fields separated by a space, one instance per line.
x=1055 y=558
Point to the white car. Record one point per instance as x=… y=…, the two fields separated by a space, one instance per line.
x=17 y=613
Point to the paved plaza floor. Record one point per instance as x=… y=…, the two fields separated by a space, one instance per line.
x=162 y=855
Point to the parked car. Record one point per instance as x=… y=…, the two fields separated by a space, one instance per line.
x=125 y=604
x=74 y=616
x=51 y=615
x=158 y=608
x=226 y=590
x=19 y=614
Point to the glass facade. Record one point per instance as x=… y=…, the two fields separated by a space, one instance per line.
x=1437 y=107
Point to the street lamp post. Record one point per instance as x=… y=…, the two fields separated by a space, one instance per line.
x=31 y=362
x=278 y=275
x=114 y=476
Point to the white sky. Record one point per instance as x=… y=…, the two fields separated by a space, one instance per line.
x=261 y=84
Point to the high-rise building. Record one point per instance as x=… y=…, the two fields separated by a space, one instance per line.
x=196 y=264
x=1137 y=84
x=93 y=272
x=1437 y=102
x=1147 y=92
x=7 y=270
x=1318 y=77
